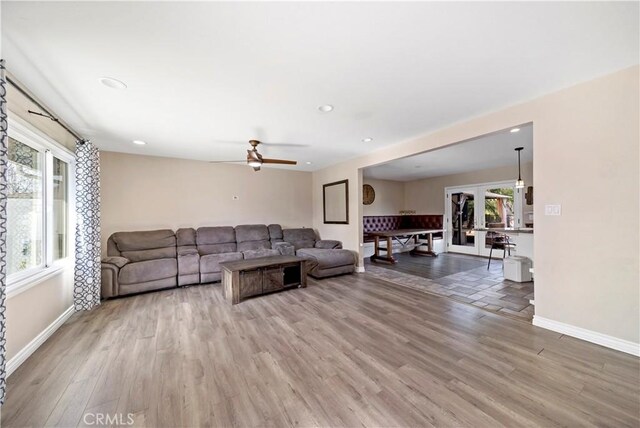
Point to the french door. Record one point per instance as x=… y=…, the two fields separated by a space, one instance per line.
x=473 y=211
x=462 y=220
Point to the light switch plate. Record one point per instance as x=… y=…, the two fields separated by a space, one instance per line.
x=553 y=209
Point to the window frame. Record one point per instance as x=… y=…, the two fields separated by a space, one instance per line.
x=47 y=148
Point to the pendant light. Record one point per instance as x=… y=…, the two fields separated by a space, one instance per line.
x=520 y=181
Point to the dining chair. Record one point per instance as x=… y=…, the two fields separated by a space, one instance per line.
x=499 y=241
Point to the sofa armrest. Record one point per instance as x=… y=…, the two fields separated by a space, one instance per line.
x=109 y=285
x=285 y=248
x=328 y=244
x=119 y=262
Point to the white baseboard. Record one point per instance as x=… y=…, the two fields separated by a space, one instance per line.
x=26 y=352
x=588 y=335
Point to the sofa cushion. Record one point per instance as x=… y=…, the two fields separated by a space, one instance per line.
x=328 y=258
x=144 y=255
x=328 y=244
x=149 y=270
x=216 y=240
x=275 y=233
x=186 y=237
x=256 y=254
x=211 y=262
x=381 y=222
x=423 y=221
x=284 y=248
x=252 y=237
x=300 y=238
x=145 y=245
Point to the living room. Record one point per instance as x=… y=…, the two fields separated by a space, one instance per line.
x=182 y=221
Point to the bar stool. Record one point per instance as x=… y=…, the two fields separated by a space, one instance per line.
x=499 y=241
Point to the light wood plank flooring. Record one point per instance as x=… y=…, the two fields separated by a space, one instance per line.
x=349 y=351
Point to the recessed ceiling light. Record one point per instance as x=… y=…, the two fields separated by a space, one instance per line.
x=514 y=130
x=113 y=83
x=308 y=163
x=367 y=140
x=139 y=142
x=325 y=108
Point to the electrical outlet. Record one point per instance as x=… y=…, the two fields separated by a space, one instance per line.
x=553 y=209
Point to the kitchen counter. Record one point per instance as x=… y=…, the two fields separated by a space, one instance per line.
x=523 y=238
x=509 y=230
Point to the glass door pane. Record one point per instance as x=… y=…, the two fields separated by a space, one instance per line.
x=498 y=208
x=498 y=211
x=461 y=220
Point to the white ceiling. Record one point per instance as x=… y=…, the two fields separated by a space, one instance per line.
x=201 y=73
x=488 y=151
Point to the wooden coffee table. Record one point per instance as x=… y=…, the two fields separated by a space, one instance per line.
x=253 y=277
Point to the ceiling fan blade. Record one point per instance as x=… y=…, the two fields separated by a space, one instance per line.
x=280 y=161
x=230 y=161
x=256 y=168
x=284 y=145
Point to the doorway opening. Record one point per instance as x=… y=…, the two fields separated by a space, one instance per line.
x=463 y=203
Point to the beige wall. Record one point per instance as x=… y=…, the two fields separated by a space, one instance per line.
x=147 y=192
x=19 y=106
x=389 y=197
x=33 y=310
x=426 y=196
x=586 y=143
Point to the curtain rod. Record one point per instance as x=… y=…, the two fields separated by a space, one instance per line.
x=43 y=108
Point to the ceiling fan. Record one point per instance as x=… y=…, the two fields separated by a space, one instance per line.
x=255 y=159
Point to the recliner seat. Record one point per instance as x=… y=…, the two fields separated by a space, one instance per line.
x=139 y=261
x=326 y=257
x=215 y=245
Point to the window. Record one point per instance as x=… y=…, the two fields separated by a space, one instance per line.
x=60 y=201
x=25 y=220
x=38 y=203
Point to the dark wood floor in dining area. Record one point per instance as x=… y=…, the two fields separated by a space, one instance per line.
x=465 y=278
x=347 y=351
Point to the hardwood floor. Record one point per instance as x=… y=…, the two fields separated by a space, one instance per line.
x=348 y=351
x=463 y=278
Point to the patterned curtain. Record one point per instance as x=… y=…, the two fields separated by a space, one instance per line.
x=86 y=289
x=4 y=137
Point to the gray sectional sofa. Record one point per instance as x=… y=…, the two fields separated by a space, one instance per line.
x=157 y=259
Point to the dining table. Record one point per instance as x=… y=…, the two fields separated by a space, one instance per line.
x=404 y=237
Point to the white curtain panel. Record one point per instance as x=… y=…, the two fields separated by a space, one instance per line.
x=4 y=137
x=86 y=290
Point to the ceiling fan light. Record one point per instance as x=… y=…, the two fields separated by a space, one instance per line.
x=254 y=163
